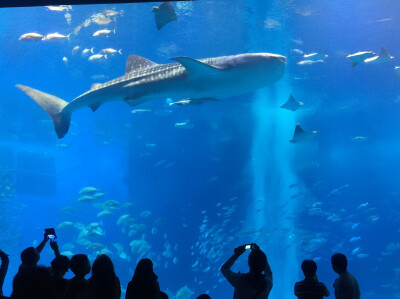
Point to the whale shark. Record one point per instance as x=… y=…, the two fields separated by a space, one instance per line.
x=186 y=78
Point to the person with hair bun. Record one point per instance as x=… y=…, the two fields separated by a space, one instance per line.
x=256 y=284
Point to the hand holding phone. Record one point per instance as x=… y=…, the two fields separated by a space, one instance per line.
x=51 y=233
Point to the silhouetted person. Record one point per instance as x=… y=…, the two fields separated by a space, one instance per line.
x=163 y=295
x=78 y=286
x=144 y=284
x=3 y=269
x=105 y=283
x=257 y=283
x=35 y=282
x=310 y=287
x=22 y=281
x=346 y=285
x=60 y=266
x=54 y=247
x=203 y=296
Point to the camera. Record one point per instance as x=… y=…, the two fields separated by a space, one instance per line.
x=251 y=246
x=51 y=233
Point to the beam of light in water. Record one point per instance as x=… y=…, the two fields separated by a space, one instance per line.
x=272 y=207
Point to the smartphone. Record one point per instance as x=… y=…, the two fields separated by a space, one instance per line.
x=51 y=233
x=248 y=246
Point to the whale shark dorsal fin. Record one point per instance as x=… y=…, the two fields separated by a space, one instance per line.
x=135 y=62
x=195 y=67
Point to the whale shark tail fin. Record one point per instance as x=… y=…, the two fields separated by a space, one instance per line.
x=54 y=107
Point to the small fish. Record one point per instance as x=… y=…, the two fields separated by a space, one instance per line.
x=298 y=51
x=184 y=125
x=355 y=251
x=55 y=36
x=112 y=13
x=75 y=49
x=86 y=198
x=315 y=56
x=102 y=21
x=105 y=32
x=359 y=138
x=97 y=57
x=359 y=57
x=59 y=8
x=354 y=239
x=86 y=51
x=140 y=110
x=105 y=213
x=111 y=51
x=363 y=206
x=180 y=103
x=309 y=62
x=32 y=36
x=397 y=72
x=88 y=190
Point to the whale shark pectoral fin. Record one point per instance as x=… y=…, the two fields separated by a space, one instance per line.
x=95 y=106
x=135 y=62
x=196 y=68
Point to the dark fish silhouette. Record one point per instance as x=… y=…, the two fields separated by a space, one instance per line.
x=300 y=135
x=292 y=104
x=164 y=14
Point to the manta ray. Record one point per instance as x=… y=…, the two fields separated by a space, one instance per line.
x=186 y=78
x=292 y=104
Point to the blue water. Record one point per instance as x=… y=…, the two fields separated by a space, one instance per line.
x=233 y=178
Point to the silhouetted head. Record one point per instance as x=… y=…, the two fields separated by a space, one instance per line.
x=257 y=261
x=60 y=265
x=144 y=271
x=339 y=263
x=80 y=265
x=162 y=295
x=309 y=268
x=30 y=256
x=204 y=296
x=102 y=266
